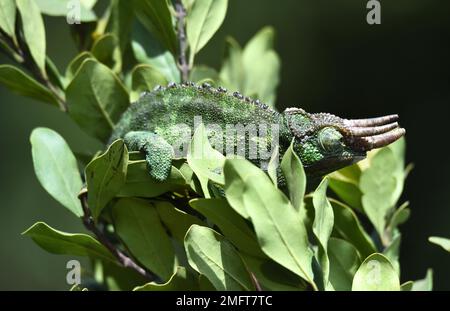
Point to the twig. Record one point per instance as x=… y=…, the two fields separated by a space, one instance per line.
x=9 y=42
x=61 y=101
x=255 y=282
x=124 y=260
x=181 y=34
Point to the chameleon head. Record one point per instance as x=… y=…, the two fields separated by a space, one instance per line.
x=325 y=142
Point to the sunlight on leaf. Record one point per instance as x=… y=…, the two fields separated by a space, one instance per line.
x=442 y=242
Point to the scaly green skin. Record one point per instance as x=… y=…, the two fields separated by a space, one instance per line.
x=162 y=118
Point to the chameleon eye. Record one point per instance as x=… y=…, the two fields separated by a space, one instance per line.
x=330 y=139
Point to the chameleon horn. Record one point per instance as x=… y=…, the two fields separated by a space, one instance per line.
x=372 y=121
x=370 y=131
x=378 y=141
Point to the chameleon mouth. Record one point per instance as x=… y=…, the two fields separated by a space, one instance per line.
x=368 y=134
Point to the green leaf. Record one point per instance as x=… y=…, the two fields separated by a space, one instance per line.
x=273 y=276
x=230 y=223
x=162 y=60
x=89 y=4
x=138 y=225
x=347 y=192
x=175 y=220
x=120 y=23
x=348 y=227
x=261 y=66
x=255 y=71
x=280 y=231
x=293 y=171
x=205 y=284
x=392 y=251
x=232 y=74
x=21 y=83
x=107 y=51
x=268 y=68
x=63 y=7
x=442 y=242
x=188 y=174
x=181 y=280
x=273 y=166
x=205 y=161
x=145 y=78
x=105 y=176
x=33 y=30
x=378 y=184
x=202 y=21
x=156 y=17
x=200 y=74
x=76 y=63
x=407 y=286
x=351 y=173
x=118 y=278
x=210 y=254
x=345 y=183
x=376 y=273
x=56 y=168
x=148 y=50
x=344 y=262
x=322 y=226
x=96 y=99
x=382 y=185
x=261 y=42
x=187 y=4
x=140 y=184
x=8 y=18
x=400 y=216
x=235 y=174
x=77 y=288
x=425 y=284
x=398 y=149
x=75 y=244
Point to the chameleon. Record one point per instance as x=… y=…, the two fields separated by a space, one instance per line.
x=159 y=119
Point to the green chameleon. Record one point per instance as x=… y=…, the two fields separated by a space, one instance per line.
x=162 y=121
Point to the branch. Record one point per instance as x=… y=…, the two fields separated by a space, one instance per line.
x=7 y=51
x=255 y=282
x=181 y=34
x=123 y=259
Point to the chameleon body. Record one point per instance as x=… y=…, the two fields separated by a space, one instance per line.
x=162 y=121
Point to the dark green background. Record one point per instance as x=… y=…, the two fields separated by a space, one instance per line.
x=331 y=61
